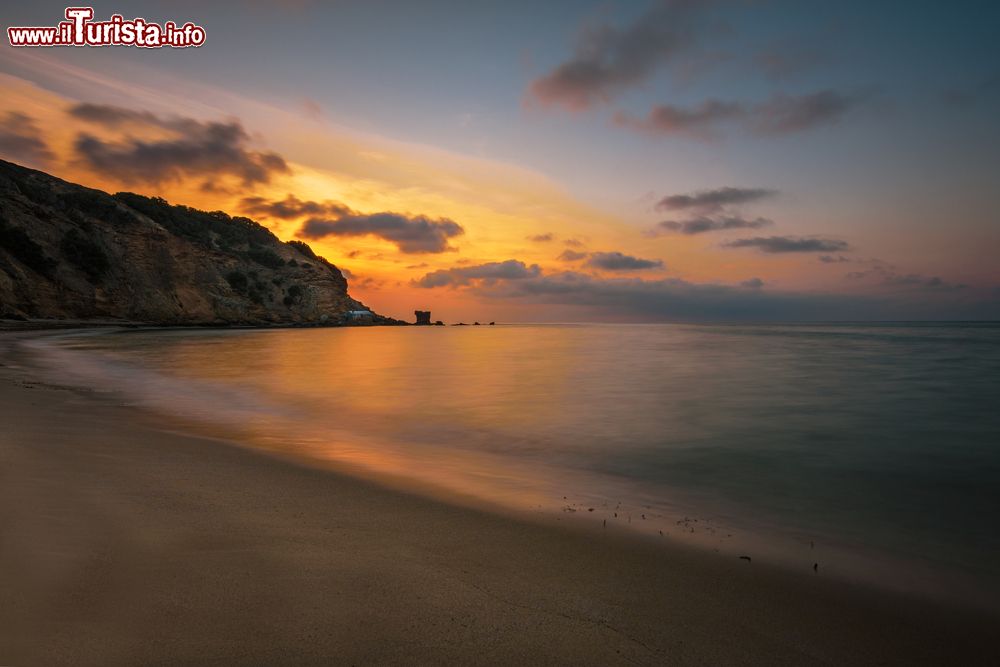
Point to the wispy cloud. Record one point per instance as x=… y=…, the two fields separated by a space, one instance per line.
x=22 y=141
x=781 y=114
x=711 y=201
x=702 y=224
x=609 y=59
x=887 y=276
x=712 y=210
x=783 y=244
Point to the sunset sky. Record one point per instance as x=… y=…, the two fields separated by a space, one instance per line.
x=561 y=161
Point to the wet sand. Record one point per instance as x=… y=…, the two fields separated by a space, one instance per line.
x=121 y=544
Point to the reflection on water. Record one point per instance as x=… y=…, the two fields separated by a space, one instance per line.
x=886 y=437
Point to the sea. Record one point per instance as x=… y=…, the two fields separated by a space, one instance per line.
x=867 y=452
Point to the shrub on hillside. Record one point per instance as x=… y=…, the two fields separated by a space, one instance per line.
x=265 y=257
x=17 y=242
x=238 y=281
x=200 y=226
x=85 y=254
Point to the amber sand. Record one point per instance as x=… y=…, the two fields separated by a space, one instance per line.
x=124 y=543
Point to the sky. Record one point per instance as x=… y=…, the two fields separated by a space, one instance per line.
x=670 y=160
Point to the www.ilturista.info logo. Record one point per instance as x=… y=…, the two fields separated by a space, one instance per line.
x=80 y=30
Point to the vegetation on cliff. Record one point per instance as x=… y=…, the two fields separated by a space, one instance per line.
x=71 y=252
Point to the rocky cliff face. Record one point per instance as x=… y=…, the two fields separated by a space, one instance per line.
x=70 y=252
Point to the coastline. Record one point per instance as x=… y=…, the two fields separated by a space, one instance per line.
x=121 y=543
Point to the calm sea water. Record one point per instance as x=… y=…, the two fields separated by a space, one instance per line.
x=857 y=446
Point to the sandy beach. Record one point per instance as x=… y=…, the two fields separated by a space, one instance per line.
x=121 y=543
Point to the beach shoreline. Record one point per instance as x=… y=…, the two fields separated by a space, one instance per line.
x=124 y=542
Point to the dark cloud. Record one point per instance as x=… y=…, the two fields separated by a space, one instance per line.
x=481 y=274
x=888 y=276
x=411 y=234
x=542 y=238
x=616 y=261
x=752 y=283
x=781 y=244
x=701 y=122
x=671 y=299
x=290 y=207
x=708 y=210
x=194 y=149
x=571 y=256
x=782 y=114
x=116 y=117
x=21 y=140
x=710 y=201
x=573 y=243
x=831 y=259
x=609 y=59
x=664 y=299
x=702 y=224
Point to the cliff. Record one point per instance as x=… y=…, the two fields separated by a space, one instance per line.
x=70 y=252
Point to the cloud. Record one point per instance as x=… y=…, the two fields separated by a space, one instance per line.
x=608 y=59
x=782 y=244
x=701 y=122
x=781 y=114
x=541 y=238
x=698 y=123
x=708 y=210
x=411 y=234
x=752 y=283
x=663 y=299
x=21 y=140
x=483 y=274
x=573 y=243
x=784 y=114
x=117 y=117
x=616 y=261
x=710 y=201
x=571 y=256
x=193 y=148
x=290 y=207
x=887 y=276
x=831 y=259
x=702 y=224
x=672 y=299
